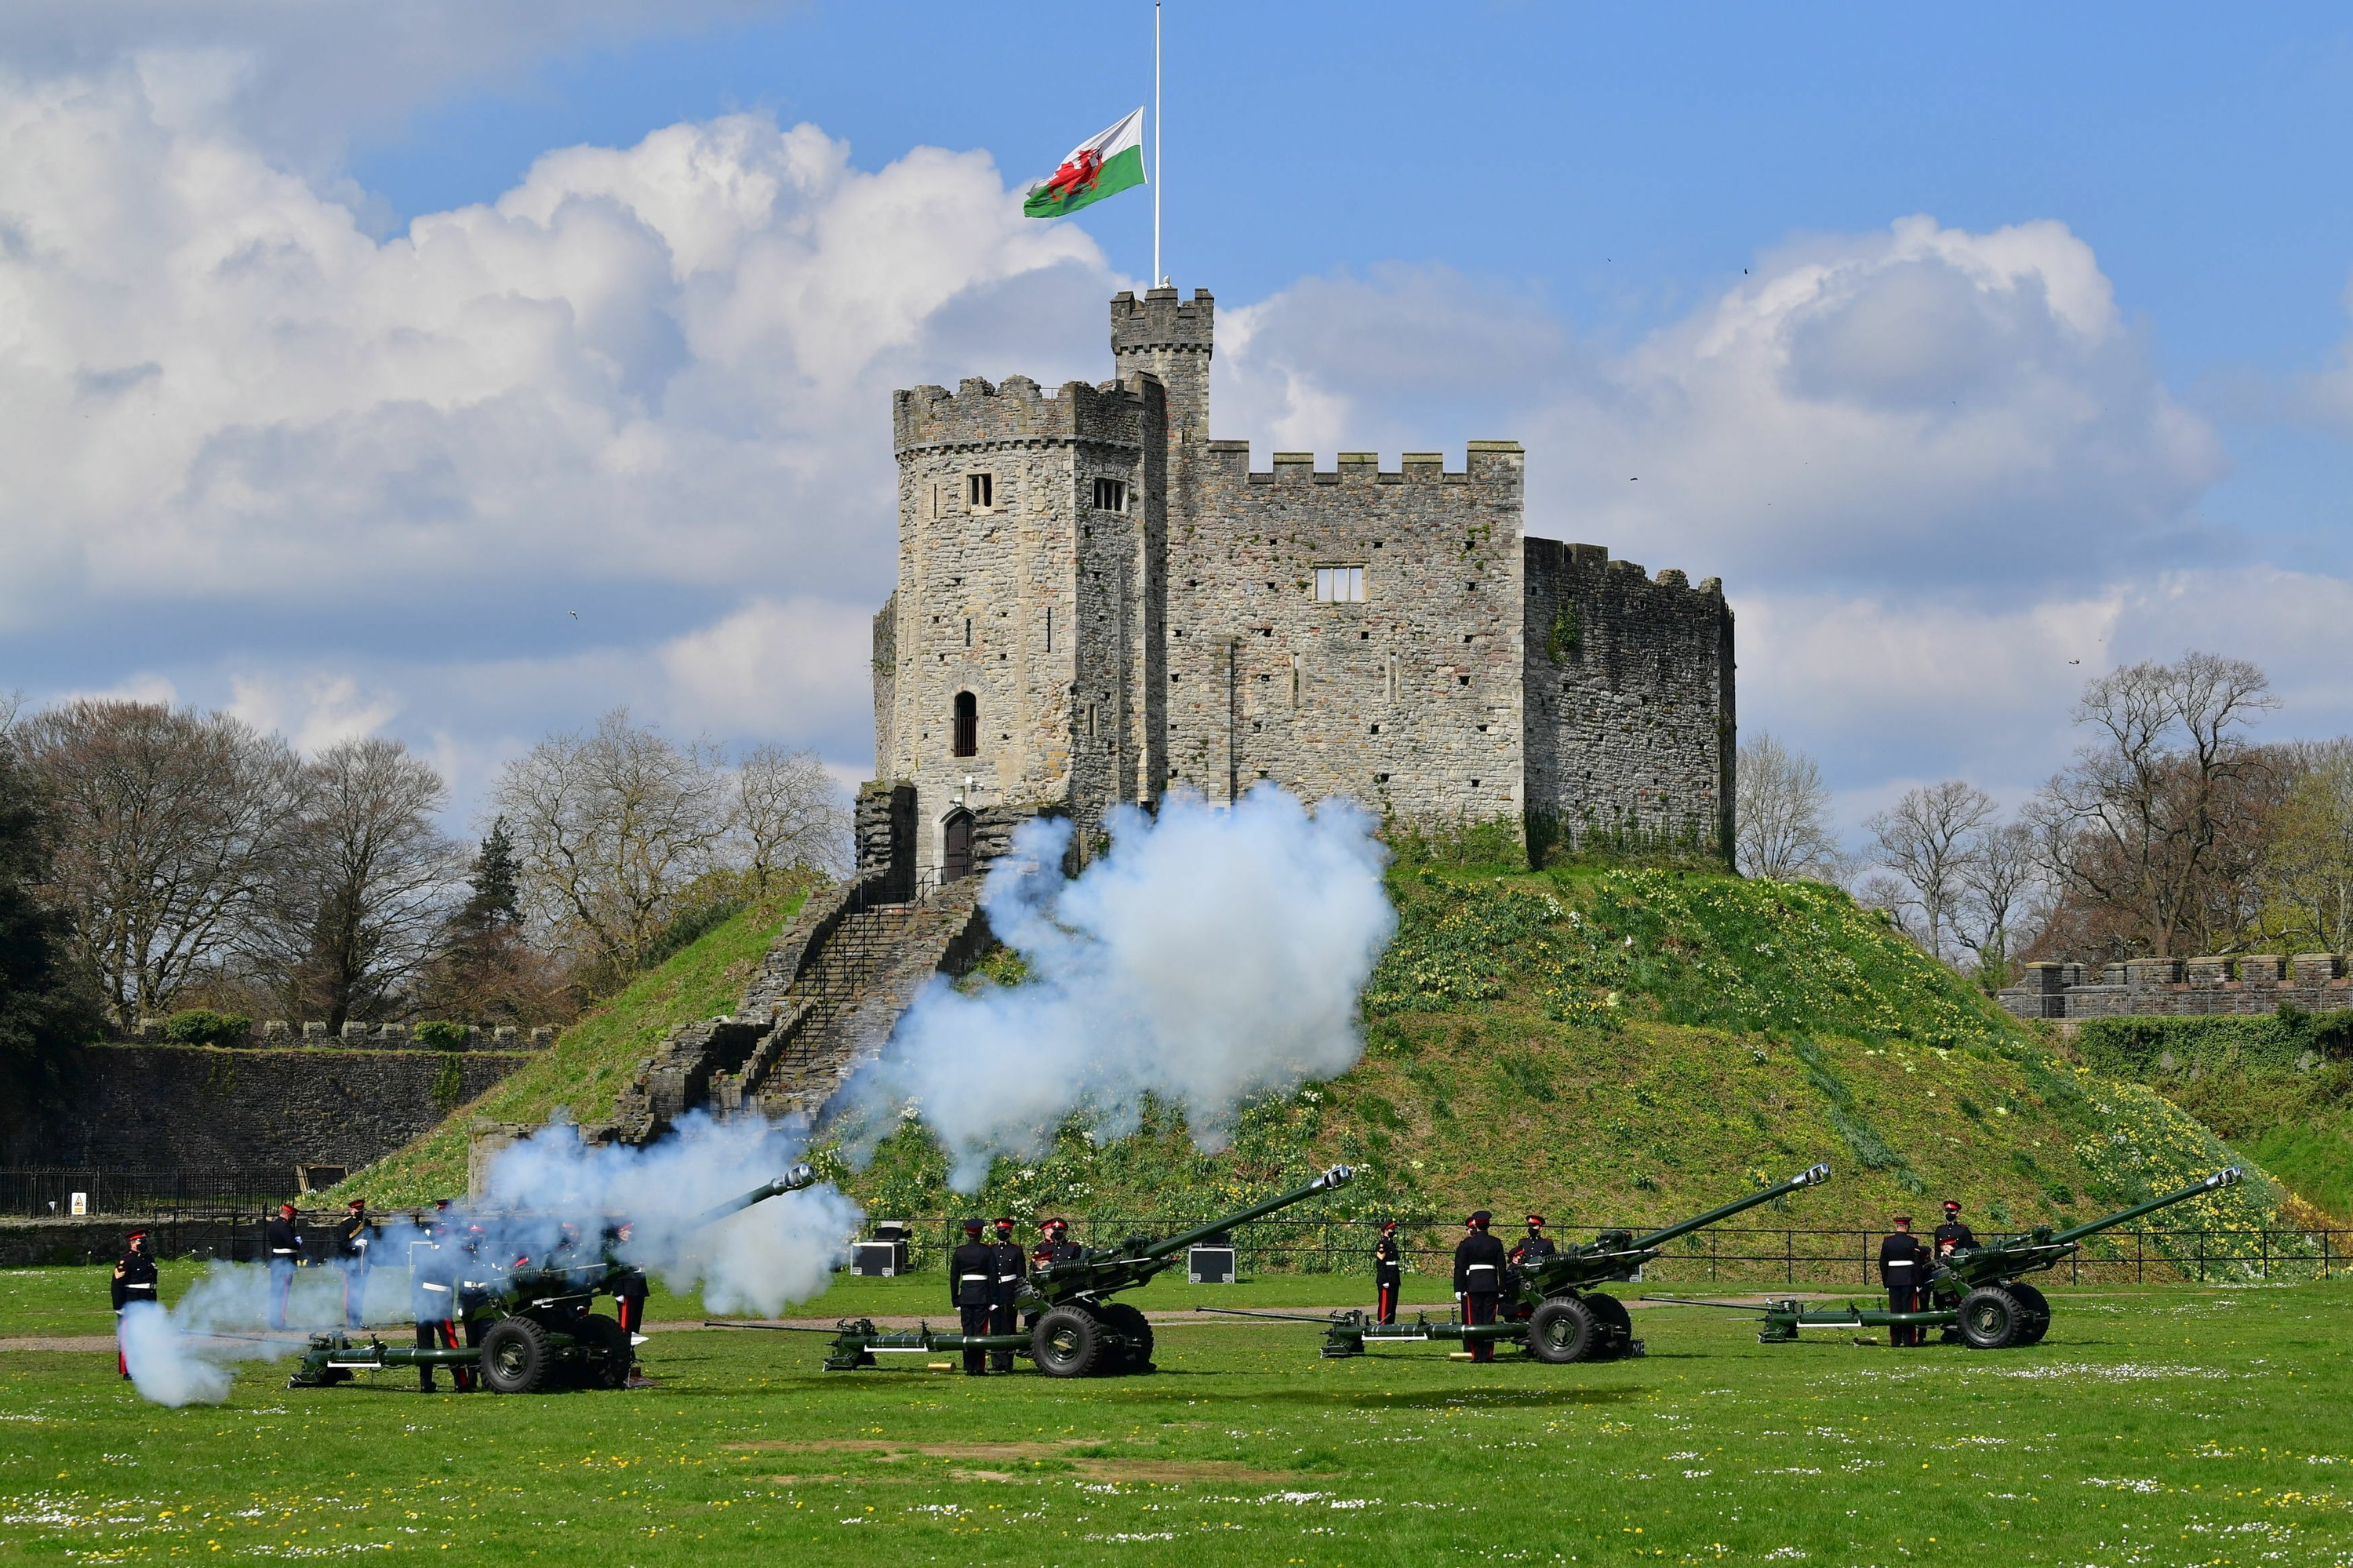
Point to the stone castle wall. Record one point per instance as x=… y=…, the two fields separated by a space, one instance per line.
x=2252 y=985
x=1629 y=700
x=188 y=1107
x=1407 y=701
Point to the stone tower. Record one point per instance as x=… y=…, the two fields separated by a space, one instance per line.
x=1013 y=667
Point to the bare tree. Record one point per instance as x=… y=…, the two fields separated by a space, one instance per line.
x=2004 y=901
x=610 y=828
x=2149 y=822
x=788 y=815
x=1927 y=838
x=1784 y=831
x=362 y=897
x=168 y=823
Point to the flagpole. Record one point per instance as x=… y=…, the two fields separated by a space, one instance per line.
x=1159 y=145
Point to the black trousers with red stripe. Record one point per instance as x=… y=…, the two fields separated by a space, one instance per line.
x=1478 y=1307
x=1903 y=1298
x=1385 y=1301
x=441 y=1334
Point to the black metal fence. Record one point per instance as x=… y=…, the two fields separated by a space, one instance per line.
x=48 y=1192
x=1731 y=1255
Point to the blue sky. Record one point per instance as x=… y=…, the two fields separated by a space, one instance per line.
x=1960 y=345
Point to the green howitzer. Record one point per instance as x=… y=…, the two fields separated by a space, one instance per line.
x=1069 y=1329
x=530 y=1325
x=1548 y=1301
x=1976 y=1295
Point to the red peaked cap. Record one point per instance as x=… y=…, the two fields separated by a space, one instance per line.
x=137 y=1235
x=1479 y=1220
x=1951 y=1207
x=1535 y=1219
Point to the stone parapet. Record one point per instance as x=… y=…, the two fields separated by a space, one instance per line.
x=2215 y=985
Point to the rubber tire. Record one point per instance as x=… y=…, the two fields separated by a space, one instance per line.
x=1562 y=1330
x=515 y=1357
x=1616 y=1323
x=2038 y=1313
x=1991 y=1319
x=1068 y=1342
x=607 y=1343
x=1123 y=1320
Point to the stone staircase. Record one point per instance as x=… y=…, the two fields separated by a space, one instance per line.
x=822 y=1004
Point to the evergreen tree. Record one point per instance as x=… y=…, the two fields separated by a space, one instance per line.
x=497 y=881
x=48 y=1005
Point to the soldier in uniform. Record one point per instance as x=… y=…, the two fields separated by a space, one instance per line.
x=1528 y=1249
x=1056 y=1246
x=351 y=1244
x=1479 y=1279
x=1903 y=1267
x=1010 y=1263
x=1953 y=1233
x=1388 y=1272
x=433 y=1301
x=134 y=1280
x=629 y=1291
x=972 y=1291
x=284 y=1247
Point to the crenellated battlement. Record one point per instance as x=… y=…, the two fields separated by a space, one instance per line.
x=1483 y=461
x=1556 y=558
x=1160 y=322
x=979 y=413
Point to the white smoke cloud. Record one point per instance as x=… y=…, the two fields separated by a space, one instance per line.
x=756 y=1260
x=1211 y=956
x=183 y=1354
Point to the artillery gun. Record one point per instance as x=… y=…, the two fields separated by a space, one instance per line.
x=1070 y=1330
x=1976 y=1294
x=1550 y=1305
x=531 y=1324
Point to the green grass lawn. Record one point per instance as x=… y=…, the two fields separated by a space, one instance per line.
x=2158 y=1426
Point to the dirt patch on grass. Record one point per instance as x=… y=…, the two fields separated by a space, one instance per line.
x=1040 y=1461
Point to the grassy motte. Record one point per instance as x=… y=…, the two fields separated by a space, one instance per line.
x=1632 y=1046
x=590 y=1063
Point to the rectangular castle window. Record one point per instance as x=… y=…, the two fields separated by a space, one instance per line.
x=1340 y=585
x=1111 y=495
x=980 y=489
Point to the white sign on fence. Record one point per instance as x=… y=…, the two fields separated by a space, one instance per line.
x=80 y=1204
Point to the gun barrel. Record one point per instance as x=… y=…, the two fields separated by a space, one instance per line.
x=2228 y=1176
x=1338 y=1176
x=792 y=1180
x=1811 y=1176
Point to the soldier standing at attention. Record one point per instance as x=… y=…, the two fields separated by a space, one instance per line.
x=1057 y=1246
x=433 y=1300
x=1904 y=1265
x=1388 y=1272
x=1010 y=1265
x=972 y=1291
x=1953 y=1233
x=629 y=1291
x=134 y=1280
x=1479 y=1279
x=281 y=1244
x=352 y=1243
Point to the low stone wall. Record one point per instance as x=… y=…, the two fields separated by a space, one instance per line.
x=190 y=1107
x=28 y=1243
x=363 y=1036
x=2250 y=985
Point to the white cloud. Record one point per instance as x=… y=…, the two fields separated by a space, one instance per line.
x=668 y=362
x=313 y=712
x=799 y=668
x=1921 y=407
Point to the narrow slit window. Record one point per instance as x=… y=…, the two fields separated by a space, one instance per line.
x=967 y=725
x=980 y=489
x=1111 y=495
x=1340 y=585
x=1049 y=628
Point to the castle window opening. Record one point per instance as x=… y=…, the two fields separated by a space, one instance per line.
x=967 y=631
x=980 y=488
x=1341 y=585
x=1049 y=628
x=968 y=725
x=1111 y=495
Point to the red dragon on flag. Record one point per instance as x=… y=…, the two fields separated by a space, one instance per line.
x=1109 y=163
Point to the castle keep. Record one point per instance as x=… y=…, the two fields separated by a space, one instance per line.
x=1098 y=603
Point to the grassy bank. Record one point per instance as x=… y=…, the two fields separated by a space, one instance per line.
x=591 y=1062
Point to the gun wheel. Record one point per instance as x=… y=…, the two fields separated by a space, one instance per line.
x=1068 y=1342
x=1132 y=1327
x=1561 y=1329
x=1990 y=1319
x=1617 y=1325
x=516 y=1356
x=2036 y=1306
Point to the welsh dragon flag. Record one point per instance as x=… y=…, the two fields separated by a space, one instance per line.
x=1100 y=166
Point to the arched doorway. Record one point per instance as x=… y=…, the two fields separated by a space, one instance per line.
x=956 y=846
